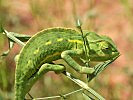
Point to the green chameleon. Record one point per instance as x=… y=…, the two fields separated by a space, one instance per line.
x=36 y=56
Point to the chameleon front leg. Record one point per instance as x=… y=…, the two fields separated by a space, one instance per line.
x=67 y=56
x=24 y=88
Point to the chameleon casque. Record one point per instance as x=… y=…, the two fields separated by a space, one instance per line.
x=36 y=56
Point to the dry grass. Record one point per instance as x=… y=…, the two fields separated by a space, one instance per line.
x=108 y=17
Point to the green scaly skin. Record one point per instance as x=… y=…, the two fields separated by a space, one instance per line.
x=52 y=44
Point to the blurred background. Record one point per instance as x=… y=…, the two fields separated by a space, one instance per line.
x=113 y=18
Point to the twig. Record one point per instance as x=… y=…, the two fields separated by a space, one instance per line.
x=14 y=38
x=59 y=96
x=83 y=85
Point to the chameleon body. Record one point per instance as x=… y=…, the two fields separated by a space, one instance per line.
x=37 y=55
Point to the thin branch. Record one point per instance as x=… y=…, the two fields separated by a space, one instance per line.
x=83 y=85
x=14 y=38
x=52 y=97
x=59 y=96
x=78 y=82
x=73 y=92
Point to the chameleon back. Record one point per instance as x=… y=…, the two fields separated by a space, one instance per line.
x=45 y=46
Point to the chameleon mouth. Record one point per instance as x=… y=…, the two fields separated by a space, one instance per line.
x=105 y=57
x=116 y=53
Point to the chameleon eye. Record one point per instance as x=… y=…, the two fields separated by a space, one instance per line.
x=106 y=48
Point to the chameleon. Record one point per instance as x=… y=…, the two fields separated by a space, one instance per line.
x=37 y=55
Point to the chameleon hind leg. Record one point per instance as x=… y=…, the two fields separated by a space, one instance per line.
x=67 y=56
x=24 y=89
x=46 y=68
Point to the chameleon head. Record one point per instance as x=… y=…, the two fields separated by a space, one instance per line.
x=102 y=49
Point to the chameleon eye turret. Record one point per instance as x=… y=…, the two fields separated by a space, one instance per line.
x=102 y=48
x=109 y=50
